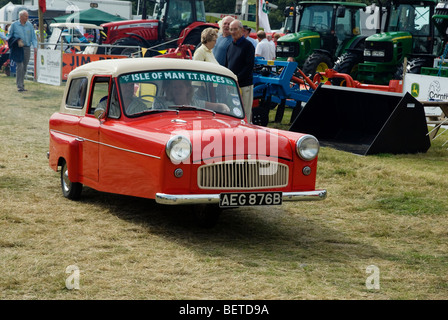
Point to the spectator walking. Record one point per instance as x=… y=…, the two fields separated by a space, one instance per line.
x=22 y=29
x=223 y=41
x=264 y=48
x=246 y=32
x=208 y=41
x=240 y=60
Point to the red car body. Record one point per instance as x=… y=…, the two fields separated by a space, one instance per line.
x=181 y=154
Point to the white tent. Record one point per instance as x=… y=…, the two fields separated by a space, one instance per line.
x=10 y=11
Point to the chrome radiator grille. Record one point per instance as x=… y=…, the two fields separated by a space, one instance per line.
x=244 y=174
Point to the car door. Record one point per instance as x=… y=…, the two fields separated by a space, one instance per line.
x=89 y=127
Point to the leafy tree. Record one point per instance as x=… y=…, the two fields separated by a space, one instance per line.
x=5 y=2
x=220 y=6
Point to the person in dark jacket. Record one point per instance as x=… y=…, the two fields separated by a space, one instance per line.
x=240 y=60
x=15 y=51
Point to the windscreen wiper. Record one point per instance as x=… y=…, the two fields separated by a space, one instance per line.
x=188 y=107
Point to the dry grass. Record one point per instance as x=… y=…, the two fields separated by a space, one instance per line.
x=387 y=210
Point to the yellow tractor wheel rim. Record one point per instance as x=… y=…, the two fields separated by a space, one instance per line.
x=322 y=67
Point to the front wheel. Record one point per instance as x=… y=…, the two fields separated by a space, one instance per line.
x=317 y=62
x=207 y=216
x=413 y=66
x=70 y=190
x=348 y=64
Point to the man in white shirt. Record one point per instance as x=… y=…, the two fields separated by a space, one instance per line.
x=264 y=48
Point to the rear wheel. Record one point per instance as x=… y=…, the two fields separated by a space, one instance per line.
x=124 y=49
x=70 y=190
x=317 y=62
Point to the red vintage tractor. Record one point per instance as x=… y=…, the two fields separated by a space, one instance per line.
x=174 y=23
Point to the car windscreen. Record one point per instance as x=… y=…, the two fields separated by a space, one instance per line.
x=151 y=91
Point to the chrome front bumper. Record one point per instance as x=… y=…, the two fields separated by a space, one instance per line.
x=181 y=199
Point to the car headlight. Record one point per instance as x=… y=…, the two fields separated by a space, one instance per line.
x=367 y=53
x=307 y=147
x=178 y=148
x=378 y=53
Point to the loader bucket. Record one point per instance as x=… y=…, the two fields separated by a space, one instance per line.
x=364 y=121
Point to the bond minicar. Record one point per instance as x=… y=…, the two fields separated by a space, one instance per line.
x=174 y=131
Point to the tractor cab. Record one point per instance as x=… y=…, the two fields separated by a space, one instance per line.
x=175 y=15
x=173 y=23
x=414 y=18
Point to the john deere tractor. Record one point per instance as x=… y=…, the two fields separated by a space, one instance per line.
x=409 y=32
x=317 y=32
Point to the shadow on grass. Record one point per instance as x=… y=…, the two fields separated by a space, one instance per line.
x=250 y=235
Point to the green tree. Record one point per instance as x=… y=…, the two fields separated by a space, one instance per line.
x=5 y=2
x=220 y=6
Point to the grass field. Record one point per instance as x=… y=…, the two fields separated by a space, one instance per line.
x=389 y=211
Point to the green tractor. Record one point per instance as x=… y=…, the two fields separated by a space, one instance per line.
x=317 y=32
x=409 y=32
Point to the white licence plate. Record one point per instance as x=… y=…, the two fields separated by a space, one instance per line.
x=242 y=199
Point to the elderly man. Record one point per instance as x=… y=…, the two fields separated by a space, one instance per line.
x=24 y=30
x=223 y=41
x=240 y=60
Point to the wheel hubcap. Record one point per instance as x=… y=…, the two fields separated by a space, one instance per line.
x=65 y=181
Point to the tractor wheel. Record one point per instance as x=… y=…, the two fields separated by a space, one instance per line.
x=194 y=38
x=414 y=66
x=317 y=62
x=126 y=51
x=348 y=64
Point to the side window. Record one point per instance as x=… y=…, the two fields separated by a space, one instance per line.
x=77 y=92
x=114 y=109
x=100 y=93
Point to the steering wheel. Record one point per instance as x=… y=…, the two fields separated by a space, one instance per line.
x=321 y=26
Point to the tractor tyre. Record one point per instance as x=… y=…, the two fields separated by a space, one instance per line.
x=348 y=64
x=126 y=51
x=414 y=66
x=317 y=62
x=194 y=38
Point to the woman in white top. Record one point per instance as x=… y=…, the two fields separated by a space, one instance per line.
x=208 y=40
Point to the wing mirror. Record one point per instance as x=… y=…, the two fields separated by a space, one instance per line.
x=100 y=114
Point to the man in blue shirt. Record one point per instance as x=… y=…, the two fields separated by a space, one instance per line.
x=240 y=60
x=246 y=32
x=223 y=41
x=24 y=30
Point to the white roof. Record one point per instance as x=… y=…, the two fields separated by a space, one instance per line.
x=116 y=67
